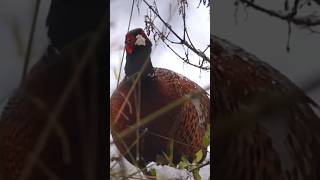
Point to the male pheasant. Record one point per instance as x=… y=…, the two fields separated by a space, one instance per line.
x=49 y=126
x=179 y=130
x=264 y=126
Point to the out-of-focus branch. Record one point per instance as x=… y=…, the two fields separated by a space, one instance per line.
x=306 y=21
x=30 y=41
x=200 y=166
x=290 y=15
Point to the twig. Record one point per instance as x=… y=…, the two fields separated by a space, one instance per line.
x=176 y=35
x=290 y=17
x=199 y=167
x=30 y=41
x=119 y=76
x=155 y=114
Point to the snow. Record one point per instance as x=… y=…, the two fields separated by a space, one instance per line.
x=169 y=173
x=162 y=172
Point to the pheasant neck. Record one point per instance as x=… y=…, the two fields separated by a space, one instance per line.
x=136 y=63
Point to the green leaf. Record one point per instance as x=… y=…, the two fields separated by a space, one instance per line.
x=198 y=156
x=184 y=159
x=166 y=157
x=182 y=165
x=169 y=157
x=206 y=142
x=153 y=172
x=206 y=138
x=196 y=175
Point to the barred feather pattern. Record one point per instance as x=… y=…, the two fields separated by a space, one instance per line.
x=17 y=137
x=279 y=146
x=186 y=124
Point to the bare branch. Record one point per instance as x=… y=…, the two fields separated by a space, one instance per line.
x=160 y=35
x=310 y=20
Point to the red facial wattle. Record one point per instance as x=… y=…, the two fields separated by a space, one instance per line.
x=129 y=43
x=129 y=48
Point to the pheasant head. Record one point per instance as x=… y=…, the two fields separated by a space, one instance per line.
x=138 y=49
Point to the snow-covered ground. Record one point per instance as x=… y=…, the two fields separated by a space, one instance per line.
x=163 y=172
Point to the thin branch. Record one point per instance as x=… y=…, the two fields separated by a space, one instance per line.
x=119 y=76
x=160 y=35
x=199 y=167
x=290 y=17
x=176 y=35
x=30 y=41
x=155 y=114
x=185 y=59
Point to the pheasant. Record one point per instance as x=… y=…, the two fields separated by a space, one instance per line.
x=281 y=141
x=179 y=130
x=47 y=128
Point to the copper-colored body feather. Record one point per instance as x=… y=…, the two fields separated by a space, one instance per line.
x=281 y=144
x=186 y=124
